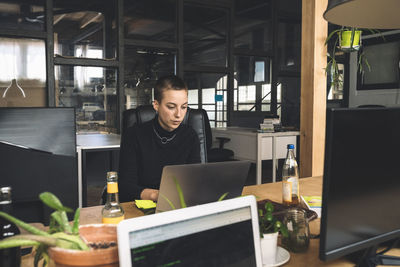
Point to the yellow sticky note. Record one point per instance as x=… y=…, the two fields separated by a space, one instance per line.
x=145 y=204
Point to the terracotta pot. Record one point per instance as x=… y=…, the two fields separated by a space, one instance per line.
x=95 y=257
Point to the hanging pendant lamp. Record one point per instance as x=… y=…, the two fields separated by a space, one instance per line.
x=371 y=14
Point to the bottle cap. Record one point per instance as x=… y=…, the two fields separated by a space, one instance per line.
x=112 y=174
x=5 y=195
x=5 y=190
x=290 y=146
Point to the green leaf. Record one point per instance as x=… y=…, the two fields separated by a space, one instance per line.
x=268 y=217
x=284 y=231
x=23 y=225
x=54 y=226
x=12 y=242
x=53 y=202
x=180 y=193
x=331 y=34
x=75 y=227
x=73 y=241
x=223 y=196
x=46 y=258
x=39 y=254
x=62 y=221
x=169 y=202
x=47 y=240
x=269 y=207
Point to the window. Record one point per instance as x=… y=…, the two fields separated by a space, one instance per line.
x=253 y=84
x=23 y=60
x=212 y=93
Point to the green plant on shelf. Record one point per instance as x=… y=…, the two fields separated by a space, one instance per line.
x=60 y=234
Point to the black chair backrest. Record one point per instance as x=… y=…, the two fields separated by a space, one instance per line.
x=194 y=117
x=207 y=130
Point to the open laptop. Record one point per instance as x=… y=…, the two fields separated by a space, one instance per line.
x=201 y=183
x=224 y=233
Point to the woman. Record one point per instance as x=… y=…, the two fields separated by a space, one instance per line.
x=150 y=146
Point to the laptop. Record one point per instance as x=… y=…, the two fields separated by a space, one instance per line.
x=224 y=233
x=200 y=183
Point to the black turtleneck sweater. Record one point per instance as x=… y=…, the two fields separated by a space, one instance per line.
x=143 y=156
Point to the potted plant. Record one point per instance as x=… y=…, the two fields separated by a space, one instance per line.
x=66 y=244
x=270 y=227
x=346 y=39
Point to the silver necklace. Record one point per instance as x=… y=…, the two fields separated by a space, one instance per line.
x=163 y=140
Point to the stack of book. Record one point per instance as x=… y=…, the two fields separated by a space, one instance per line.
x=267 y=126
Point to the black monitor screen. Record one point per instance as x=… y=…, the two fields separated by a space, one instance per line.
x=37 y=154
x=219 y=239
x=361 y=183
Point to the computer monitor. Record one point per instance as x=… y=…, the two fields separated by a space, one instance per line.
x=37 y=154
x=361 y=182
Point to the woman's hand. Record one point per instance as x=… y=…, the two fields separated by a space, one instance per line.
x=150 y=194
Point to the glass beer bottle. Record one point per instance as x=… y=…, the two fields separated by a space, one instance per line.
x=112 y=212
x=290 y=179
x=10 y=257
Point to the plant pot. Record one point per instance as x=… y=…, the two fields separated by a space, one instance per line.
x=96 y=233
x=345 y=41
x=269 y=243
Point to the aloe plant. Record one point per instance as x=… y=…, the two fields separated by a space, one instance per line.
x=60 y=234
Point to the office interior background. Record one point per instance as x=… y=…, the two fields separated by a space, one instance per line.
x=241 y=59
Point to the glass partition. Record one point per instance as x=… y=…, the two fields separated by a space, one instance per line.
x=80 y=28
x=25 y=15
x=151 y=20
x=92 y=91
x=142 y=69
x=252 y=90
x=208 y=91
x=253 y=25
x=205 y=36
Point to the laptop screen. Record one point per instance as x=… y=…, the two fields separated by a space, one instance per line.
x=220 y=239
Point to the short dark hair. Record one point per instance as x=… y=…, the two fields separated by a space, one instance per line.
x=167 y=83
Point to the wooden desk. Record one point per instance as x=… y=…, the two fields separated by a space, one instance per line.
x=272 y=191
x=251 y=145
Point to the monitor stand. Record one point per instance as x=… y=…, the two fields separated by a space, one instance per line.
x=371 y=258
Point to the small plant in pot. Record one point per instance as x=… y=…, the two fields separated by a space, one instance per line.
x=270 y=227
x=66 y=244
x=345 y=39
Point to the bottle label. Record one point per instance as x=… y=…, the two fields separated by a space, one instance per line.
x=113 y=220
x=287 y=191
x=112 y=188
x=295 y=185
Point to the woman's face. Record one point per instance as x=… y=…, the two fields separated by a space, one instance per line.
x=172 y=109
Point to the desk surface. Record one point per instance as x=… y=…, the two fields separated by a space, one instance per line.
x=272 y=191
x=96 y=141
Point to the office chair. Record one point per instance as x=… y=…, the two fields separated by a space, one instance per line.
x=219 y=153
x=197 y=118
